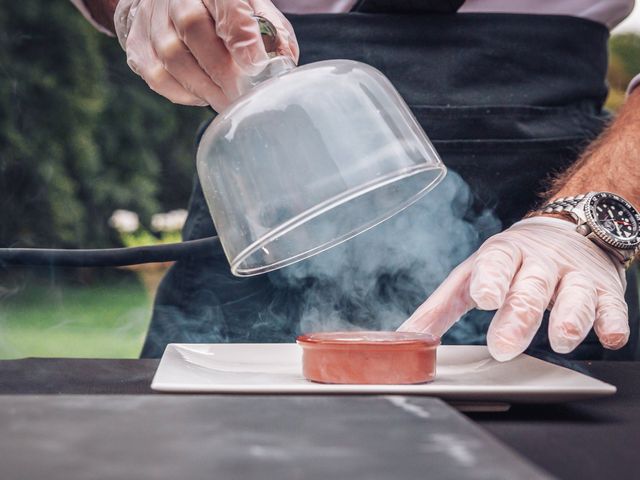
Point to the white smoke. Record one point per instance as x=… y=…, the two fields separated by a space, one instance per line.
x=377 y=279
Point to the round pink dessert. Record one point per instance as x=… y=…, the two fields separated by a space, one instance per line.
x=382 y=358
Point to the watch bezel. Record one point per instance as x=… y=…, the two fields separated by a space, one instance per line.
x=603 y=234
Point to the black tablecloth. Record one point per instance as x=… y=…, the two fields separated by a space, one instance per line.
x=597 y=439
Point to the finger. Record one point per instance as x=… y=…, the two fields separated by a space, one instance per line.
x=518 y=319
x=142 y=59
x=573 y=313
x=493 y=272
x=445 y=306
x=612 y=320
x=239 y=31
x=196 y=28
x=178 y=60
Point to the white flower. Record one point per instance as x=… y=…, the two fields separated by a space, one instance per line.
x=169 y=222
x=124 y=221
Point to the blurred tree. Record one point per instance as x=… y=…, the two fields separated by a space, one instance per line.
x=624 y=64
x=147 y=140
x=626 y=47
x=50 y=100
x=80 y=134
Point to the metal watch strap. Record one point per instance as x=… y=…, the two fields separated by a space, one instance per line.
x=563 y=204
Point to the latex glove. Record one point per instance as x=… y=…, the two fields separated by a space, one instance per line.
x=537 y=263
x=196 y=52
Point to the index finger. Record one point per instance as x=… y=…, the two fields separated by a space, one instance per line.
x=446 y=305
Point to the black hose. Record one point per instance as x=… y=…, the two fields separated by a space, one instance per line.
x=106 y=257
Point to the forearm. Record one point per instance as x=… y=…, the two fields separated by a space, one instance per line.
x=611 y=161
x=102 y=12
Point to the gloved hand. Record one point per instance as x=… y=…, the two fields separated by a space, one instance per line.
x=538 y=263
x=196 y=52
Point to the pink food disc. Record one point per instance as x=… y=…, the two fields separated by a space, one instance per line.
x=381 y=358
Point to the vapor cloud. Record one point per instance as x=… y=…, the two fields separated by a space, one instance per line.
x=377 y=279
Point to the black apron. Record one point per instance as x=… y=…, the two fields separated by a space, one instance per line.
x=506 y=99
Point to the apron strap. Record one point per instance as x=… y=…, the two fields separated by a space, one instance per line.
x=407 y=6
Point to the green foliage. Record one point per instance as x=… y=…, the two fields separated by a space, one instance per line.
x=143 y=237
x=624 y=64
x=80 y=134
x=626 y=47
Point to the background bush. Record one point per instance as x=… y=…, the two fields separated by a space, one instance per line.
x=80 y=134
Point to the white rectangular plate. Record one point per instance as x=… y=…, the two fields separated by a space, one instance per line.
x=464 y=373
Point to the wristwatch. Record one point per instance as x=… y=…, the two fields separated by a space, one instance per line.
x=605 y=218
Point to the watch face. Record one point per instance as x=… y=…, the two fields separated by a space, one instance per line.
x=614 y=220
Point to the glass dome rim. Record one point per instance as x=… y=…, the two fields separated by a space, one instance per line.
x=328 y=205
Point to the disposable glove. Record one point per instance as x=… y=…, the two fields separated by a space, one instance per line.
x=197 y=52
x=538 y=263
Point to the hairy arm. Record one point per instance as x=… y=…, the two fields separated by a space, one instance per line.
x=102 y=12
x=611 y=163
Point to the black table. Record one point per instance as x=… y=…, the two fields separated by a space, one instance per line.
x=597 y=439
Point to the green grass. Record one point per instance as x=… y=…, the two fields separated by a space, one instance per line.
x=52 y=320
